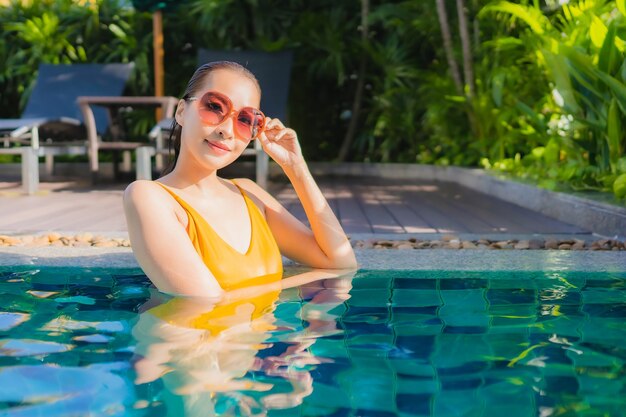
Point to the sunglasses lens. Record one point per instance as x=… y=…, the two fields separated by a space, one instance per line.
x=250 y=122
x=213 y=108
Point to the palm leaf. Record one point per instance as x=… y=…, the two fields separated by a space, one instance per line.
x=532 y=16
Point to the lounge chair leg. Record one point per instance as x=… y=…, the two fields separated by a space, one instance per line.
x=126 y=162
x=262 y=162
x=49 y=164
x=116 y=165
x=144 y=167
x=93 y=162
x=30 y=170
x=158 y=159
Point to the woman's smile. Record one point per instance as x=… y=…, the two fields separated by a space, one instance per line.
x=217 y=146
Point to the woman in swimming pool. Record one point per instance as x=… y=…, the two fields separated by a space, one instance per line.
x=194 y=233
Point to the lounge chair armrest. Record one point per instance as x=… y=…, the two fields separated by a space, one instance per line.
x=163 y=124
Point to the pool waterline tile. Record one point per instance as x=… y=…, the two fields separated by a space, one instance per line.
x=369 y=259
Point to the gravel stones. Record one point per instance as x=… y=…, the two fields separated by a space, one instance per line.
x=452 y=242
x=446 y=242
x=56 y=239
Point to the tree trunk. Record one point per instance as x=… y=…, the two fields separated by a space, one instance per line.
x=358 y=94
x=468 y=66
x=157 y=46
x=447 y=45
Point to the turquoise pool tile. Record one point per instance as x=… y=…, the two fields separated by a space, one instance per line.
x=604 y=401
x=511 y=397
x=561 y=326
x=411 y=367
x=522 y=329
x=586 y=359
x=603 y=296
x=405 y=316
x=469 y=297
x=370 y=390
x=547 y=368
x=369 y=297
x=415 y=284
x=508 y=284
x=329 y=349
x=457 y=403
x=463 y=283
x=569 y=278
x=515 y=311
x=510 y=296
x=416 y=298
x=514 y=318
x=325 y=399
x=600 y=386
x=506 y=346
x=372 y=282
x=406 y=385
x=603 y=331
x=464 y=308
x=559 y=296
x=423 y=327
x=374 y=340
x=453 y=350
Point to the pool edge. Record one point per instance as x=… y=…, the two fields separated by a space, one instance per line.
x=370 y=259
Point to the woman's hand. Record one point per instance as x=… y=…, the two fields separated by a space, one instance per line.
x=281 y=144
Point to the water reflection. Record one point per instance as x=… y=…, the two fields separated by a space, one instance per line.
x=235 y=356
x=392 y=343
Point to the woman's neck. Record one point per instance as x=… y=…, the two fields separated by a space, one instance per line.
x=199 y=180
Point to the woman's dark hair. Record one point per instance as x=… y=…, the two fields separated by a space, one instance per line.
x=194 y=85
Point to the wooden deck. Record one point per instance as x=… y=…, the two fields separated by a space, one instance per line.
x=363 y=206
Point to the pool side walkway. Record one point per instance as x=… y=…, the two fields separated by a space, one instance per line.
x=365 y=207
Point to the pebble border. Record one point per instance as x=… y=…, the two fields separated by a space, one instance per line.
x=446 y=242
x=56 y=239
x=453 y=242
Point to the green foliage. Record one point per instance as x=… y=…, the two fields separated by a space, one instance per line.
x=549 y=105
x=582 y=51
x=65 y=32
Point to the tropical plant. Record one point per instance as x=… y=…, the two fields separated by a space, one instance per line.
x=582 y=49
x=538 y=89
x=64 y=32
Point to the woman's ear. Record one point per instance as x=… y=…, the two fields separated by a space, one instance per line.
x=179 y=111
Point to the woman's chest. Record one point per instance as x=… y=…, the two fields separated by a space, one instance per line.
x=230 y=220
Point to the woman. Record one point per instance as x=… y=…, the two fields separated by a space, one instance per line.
x=194 y=233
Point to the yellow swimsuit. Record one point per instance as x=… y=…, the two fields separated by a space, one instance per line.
x=262 y=263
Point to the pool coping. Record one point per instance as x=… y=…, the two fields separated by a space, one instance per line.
x=369 y=259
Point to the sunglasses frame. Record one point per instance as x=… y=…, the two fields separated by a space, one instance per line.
x=230 y=113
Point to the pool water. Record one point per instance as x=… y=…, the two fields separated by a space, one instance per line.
x=96 y=342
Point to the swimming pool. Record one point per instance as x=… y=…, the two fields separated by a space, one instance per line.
x=99 y=342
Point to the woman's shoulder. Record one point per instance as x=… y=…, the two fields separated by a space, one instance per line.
x=253 y=190
x=144 y=192
x=150 y=198
x=249 y=185
x=141 y=188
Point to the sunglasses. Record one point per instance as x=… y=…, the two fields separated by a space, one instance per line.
x=214 y=108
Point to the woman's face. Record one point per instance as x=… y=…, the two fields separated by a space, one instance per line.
x=216 y=146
